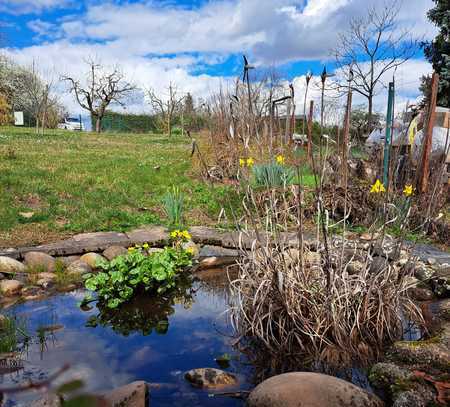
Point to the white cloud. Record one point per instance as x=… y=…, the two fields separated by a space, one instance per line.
x=31 y=6
x=155 y=44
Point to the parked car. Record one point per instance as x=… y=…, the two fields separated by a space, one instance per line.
x=71 y=123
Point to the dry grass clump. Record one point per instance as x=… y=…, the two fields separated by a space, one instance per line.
x=299 y=309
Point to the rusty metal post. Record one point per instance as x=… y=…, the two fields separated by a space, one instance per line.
x=428 y=136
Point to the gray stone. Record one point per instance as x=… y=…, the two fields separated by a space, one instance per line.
x=423 y=273
x=92 y=259
x=378 y=264
x=431 y=261
x=67 y=260
x=135 y=394
x=154 y=236
x=192 y=247
x=10 y=287
x=355 y=267
x=40 y=261
x=78 y=267
x=310 y=390
x=210 y=378
x=421 y=294
x=114 y=251
x=10 y=266
x=217 y=251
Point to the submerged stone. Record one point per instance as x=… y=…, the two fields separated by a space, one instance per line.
x=134 y=394
x=310 y=390
x=210 y=378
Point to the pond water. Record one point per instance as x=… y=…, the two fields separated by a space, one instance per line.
x=155 y=342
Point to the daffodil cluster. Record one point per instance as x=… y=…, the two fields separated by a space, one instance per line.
x=408 y=190
x=180 y=235
x=135 y=248
x=377 y=188
x=280 y=159
x=246 y=162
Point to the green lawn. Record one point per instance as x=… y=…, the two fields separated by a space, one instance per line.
x=78 y=182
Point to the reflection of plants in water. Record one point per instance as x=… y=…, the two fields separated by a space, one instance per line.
x=13 y=333
x=144 y=314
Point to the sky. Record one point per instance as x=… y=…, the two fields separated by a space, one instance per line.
x=197 y=45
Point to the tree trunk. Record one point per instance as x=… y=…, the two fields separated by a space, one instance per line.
x=169 y=124
x=370 y=114
x=98 y=124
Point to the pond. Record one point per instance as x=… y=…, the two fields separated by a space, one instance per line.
x=152 y=341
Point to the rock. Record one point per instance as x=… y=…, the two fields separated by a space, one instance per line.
x=134 y=394
x=423 y=273
x=442 y=309
x=310 y=390
x=10 y=287
x=216 y=256
x=355 y=267
x=419 y=398
x=40 y=261
x=210 y=378
x=2 y=276
x=26 y=215
x=378 y=265
x=152 y=250
x=67 y=260
x=191 y=247
x=421 y=294
x=49 y=400
x=431 y=261
x=383 y=375
x=78 y=267
x=440 y=282
x=92 y=259
x=213 y=262
x=114 y=251
x=10 y=266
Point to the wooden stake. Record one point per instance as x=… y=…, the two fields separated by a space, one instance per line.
x=348 y=113
x=310 y=118
x=426 y=149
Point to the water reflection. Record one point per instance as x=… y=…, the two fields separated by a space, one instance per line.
x=147 y=340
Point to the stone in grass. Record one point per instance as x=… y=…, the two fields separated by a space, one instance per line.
x=10 y=266
x=114 y=251
x=92 y=259
x=10 y=287
x=78 y=267
x=40 y=261
x=67 y=260
x=421 y=294
x=210 y=378
x=310 y=390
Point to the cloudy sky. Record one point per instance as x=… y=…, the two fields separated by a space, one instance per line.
x=196 y=44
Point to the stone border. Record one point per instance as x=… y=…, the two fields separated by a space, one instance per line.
x=155 y=236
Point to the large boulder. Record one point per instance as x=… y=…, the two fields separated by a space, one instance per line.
x=67 y=260
x=78 y=267
x=40 y=261
x=134 y=394
x=310 y=390
x=10 y=287
x=114 y=251
x=10 y=266
x=92 y=259
x=210 y=378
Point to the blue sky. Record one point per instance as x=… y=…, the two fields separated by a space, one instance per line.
x=195 y=44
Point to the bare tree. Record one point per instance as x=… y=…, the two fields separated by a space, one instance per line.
x=166 y=105
x=99 y=89
x=374 y=45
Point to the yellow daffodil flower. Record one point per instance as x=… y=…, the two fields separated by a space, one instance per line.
x=408 y=191
x=250 y=162
x=131 y=249
x=145 y=246
x=241 y=162
x=377 y=188
x=280 y=159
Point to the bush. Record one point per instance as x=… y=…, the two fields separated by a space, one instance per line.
x=126 y=275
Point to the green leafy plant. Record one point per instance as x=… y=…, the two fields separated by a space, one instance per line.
x=12 y=332
x=135 y=272
x=173 y=202
x=272 y=175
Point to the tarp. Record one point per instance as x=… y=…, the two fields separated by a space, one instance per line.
x=437 y=142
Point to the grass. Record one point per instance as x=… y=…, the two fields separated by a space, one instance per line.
x=79 y=182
